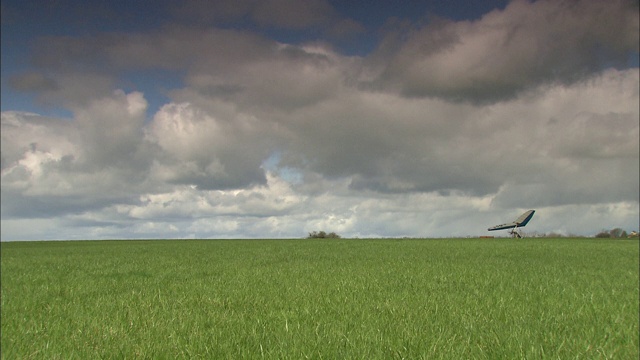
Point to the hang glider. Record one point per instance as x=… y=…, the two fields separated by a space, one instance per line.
x=519 y=222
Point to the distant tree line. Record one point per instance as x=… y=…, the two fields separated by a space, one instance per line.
x=322 y=235
x=614 y=233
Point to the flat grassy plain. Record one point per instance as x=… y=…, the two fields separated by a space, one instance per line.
x=321 y=299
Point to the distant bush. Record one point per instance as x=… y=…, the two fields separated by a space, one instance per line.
x=322 y=235
x=616 y=233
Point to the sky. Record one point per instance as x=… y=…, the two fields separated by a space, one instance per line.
x=276 y=118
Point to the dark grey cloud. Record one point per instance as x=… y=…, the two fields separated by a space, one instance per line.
x=277 y=13
x=316 y=16
x=32 y=82
x=16 y=205
x=509 y=51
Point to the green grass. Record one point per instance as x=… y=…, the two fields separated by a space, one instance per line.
x=329 y=299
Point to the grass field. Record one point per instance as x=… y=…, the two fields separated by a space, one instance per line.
x=329 y=299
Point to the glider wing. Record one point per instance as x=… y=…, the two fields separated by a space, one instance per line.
x=520 y=222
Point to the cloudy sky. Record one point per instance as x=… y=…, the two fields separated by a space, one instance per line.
x=275 y=118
